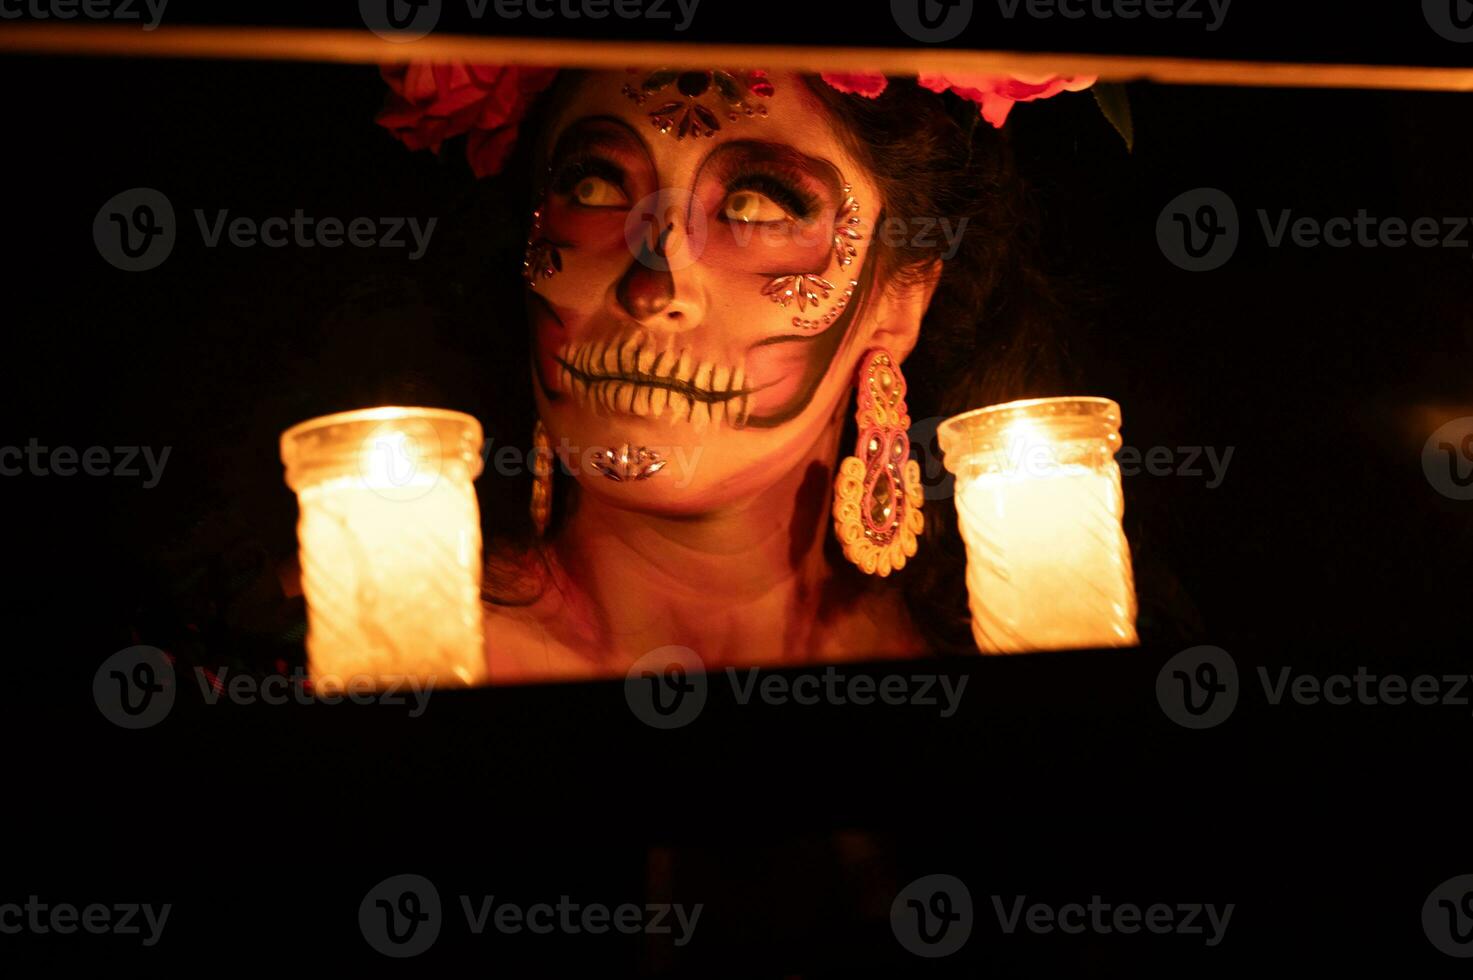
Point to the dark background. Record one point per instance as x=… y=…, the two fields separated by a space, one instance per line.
x=1324 y=31
x=1325 y=547
x=1324 y=370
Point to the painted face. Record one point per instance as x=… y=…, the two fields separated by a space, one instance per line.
x=696 y=278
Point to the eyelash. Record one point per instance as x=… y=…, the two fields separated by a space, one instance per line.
x=575 y=170
x=796 y=201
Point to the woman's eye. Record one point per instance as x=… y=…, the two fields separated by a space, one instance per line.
x=752 y=206
x=596 y=192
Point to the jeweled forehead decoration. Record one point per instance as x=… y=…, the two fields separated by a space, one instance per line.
x=684 y=109
x=806 y=289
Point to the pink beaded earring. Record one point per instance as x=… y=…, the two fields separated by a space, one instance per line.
x=878 y=492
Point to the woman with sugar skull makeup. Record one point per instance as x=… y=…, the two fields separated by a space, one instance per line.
x=709 y=304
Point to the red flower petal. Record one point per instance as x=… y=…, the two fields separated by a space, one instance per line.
x=486 y=151
x=432 y=102
x=867 y=84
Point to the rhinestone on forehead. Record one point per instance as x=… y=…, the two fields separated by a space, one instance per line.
x=684 y=111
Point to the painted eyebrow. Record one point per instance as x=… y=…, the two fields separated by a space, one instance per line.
x=780 y=154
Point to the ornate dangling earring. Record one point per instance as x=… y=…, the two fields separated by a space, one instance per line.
x=541 y=478
x=878 y=492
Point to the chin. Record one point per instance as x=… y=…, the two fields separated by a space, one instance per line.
x=706 y=467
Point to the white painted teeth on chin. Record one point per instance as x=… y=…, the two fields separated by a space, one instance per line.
x=624 y=376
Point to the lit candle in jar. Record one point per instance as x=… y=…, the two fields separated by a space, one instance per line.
x=1039 y=502
x=390 y=545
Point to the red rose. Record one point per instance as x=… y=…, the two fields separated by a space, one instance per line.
x=865 y=83
x=995 y=94
x=430 y=103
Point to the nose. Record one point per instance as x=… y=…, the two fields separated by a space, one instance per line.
x=660 y=289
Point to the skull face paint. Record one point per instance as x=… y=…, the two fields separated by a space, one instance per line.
x=708 y=294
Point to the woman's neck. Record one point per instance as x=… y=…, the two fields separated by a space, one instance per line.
x=744 y=584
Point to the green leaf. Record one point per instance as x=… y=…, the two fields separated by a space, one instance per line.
x=1113 y=103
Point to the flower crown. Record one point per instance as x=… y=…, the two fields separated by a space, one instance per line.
x=431 y=103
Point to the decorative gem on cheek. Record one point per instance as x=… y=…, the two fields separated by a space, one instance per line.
x=542 y=258
x=806 y=289
x=687 y=114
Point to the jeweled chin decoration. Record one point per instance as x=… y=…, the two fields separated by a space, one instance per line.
x=629 y=463
x=687 y=113
x=806 y=289
x=878 y=493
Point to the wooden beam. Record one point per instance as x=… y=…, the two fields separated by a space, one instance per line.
x=364 y=47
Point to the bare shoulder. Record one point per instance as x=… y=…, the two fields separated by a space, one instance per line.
x=520 y=649
x=874 y=624
x=523 y=644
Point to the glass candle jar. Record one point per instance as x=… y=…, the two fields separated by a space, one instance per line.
x=1039 y=503
x=390 y=539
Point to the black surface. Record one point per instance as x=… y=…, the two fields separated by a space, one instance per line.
x=1058 y=777
x=1325 y=548
x=1303 y=31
